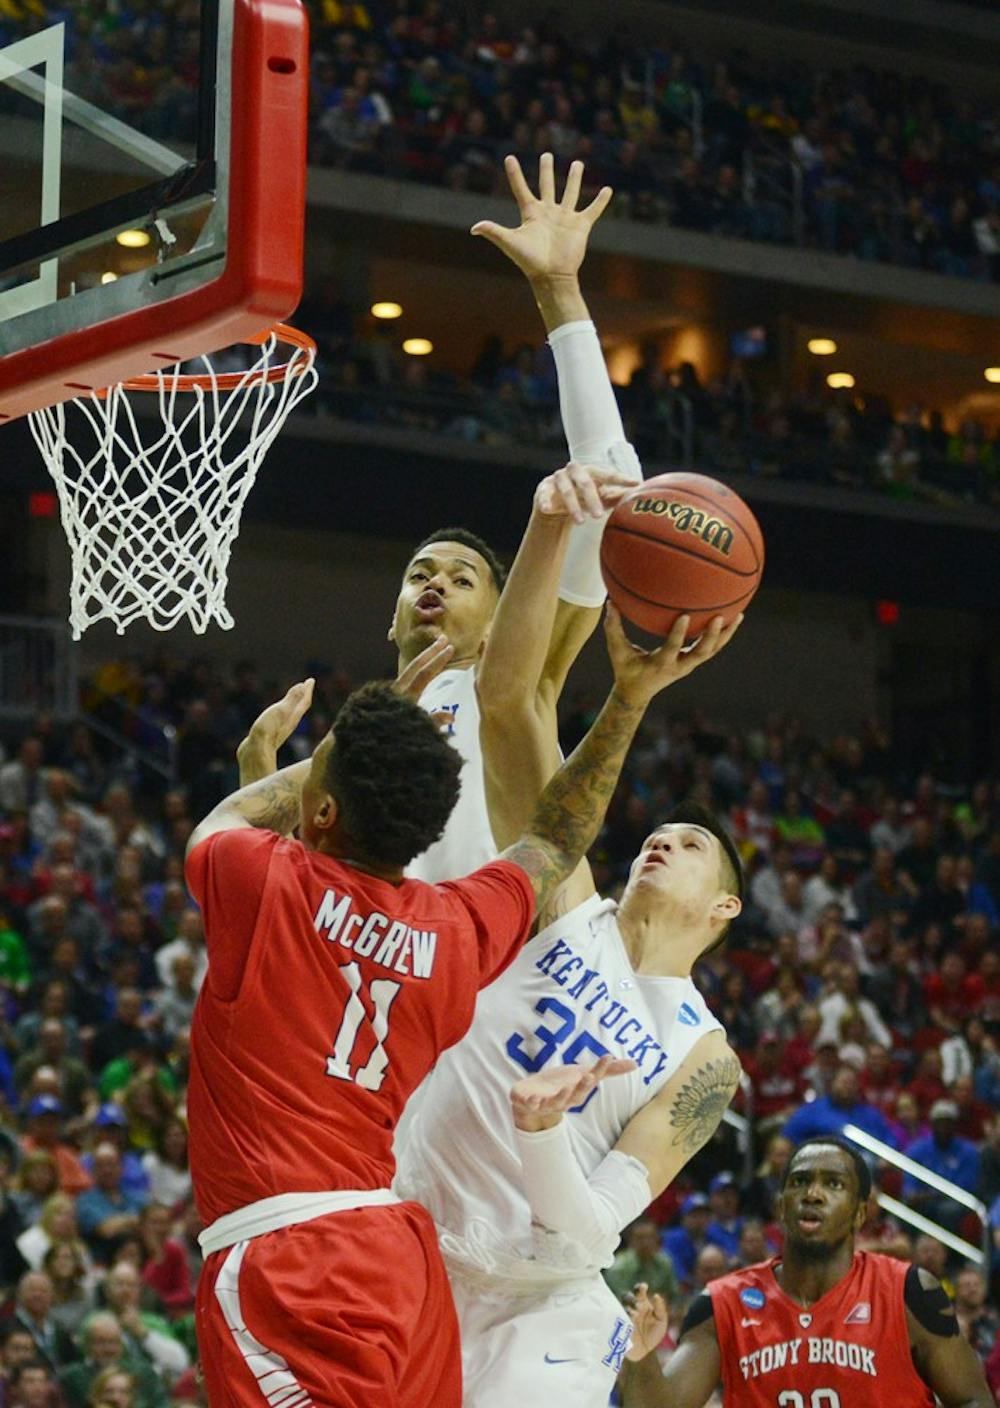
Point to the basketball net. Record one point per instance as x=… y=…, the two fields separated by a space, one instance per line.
x=151 y=507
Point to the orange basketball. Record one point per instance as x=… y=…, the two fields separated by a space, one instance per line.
x=681 y=544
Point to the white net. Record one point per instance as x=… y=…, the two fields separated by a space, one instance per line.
x=151 y=505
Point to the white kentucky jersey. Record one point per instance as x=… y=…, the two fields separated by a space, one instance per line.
x=467 y=842
x=570 y=995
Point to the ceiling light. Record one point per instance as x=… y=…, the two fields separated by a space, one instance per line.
x=992 y=374
x=133 y=239
x=387 y=310
x=109 y=276
x=840 y=380
x=822 y=346
x=418 y=346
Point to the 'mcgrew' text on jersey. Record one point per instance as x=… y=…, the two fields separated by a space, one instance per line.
x=391 y=943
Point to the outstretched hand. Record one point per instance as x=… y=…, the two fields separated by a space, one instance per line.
x=539 y=1101
x=276 y=724
x=423 y=668
x=579 y=491
x=639 y=673
x=649 y=1318
x=551 y=240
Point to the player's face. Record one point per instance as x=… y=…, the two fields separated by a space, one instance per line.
x=819 y=1207
x=680 y=867
x=447 y=590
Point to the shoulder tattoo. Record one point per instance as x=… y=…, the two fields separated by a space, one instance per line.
x=702 y=1101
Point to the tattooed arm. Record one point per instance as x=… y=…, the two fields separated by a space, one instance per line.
x=571 y=810
x=272 y=803
x=670 y=1130
x=576 y=1218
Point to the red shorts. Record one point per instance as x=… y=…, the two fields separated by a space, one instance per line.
x=350 y=1310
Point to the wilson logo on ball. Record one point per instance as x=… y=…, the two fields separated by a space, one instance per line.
x=686 y=519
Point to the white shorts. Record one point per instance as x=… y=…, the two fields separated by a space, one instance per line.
x=555 y=1348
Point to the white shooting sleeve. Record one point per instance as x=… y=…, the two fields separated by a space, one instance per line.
x=577 y=1219
x=594 y=435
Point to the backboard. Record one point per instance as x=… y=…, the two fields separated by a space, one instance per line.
x=152 y=185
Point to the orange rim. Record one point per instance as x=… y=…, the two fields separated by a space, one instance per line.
x=229 y=381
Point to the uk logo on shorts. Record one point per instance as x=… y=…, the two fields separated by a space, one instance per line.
x=618 y=1343
x=688 y=1015
x=753 y=1298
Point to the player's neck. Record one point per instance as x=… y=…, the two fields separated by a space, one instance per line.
x=654 y=947
x=348 y=855
x=465 y=662
x=806 y=1281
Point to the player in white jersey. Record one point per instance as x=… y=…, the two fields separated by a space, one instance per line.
x=452 y=584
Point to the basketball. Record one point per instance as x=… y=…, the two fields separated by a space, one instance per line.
x=681 y=544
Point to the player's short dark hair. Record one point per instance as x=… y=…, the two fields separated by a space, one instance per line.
x=392 y=774
x=694 y=814
x=470 y=540
x=861 y=1169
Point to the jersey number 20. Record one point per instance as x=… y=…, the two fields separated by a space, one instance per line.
x=381 y=994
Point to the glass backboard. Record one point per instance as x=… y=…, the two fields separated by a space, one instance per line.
x=130 y=136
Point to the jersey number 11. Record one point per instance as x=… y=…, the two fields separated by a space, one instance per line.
x=381 y=994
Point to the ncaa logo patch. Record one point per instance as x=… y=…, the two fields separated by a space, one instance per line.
x=753 y=1298
x=618 y=1343
x=688 y=1015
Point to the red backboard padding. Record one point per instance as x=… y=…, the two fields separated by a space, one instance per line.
x=262 y=280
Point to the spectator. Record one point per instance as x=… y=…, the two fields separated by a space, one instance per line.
x=108 y=1213
x=844 y=1105
x=165 y=1268
x=777 y=1084
x=190 y=941
x=144 y=1334
x=167 y=1166
x=66 y=1265
x=643 y=1260
x=33 y=1314
x=53 y=1050
x=949 y=1156
x=112 y=1388
x=684 y=1242
x=30 y=1385
x=979 y=1322
x=726 y=1223
x=845 y=998
x=104 y=1348
x=44 y=1116
x=110 y=1126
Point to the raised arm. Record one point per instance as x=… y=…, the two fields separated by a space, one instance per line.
x=571 y=809
x=519 y=728
x=267 y=798
x=549 y=246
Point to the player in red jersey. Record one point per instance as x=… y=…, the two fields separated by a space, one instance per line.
x=333 y=985
x=821 y=1326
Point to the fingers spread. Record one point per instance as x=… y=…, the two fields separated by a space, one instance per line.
x=546 y=177
x=518 y=185
x=598 y=205
x=572 y=192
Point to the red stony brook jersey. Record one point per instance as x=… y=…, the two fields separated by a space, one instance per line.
x=849 y=1350
x=330 y=994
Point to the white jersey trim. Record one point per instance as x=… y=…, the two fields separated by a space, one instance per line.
x=284 y=1210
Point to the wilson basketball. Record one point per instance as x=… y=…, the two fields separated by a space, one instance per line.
x=681 y=544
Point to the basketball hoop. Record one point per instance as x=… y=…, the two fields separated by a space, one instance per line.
x=151 y=514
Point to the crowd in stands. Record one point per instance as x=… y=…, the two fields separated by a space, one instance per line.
x=860 y=161
x=861 y=984
x=738 y=423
